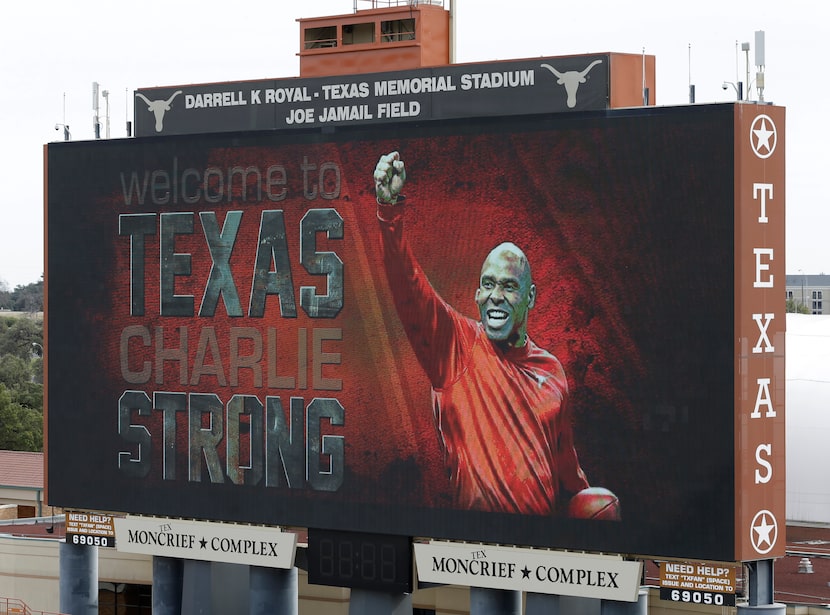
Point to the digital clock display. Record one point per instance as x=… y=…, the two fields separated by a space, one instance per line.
x=359 y=560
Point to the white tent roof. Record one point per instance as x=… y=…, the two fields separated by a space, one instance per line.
x=808 y=418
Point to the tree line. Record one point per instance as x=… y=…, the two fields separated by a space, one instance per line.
x=796 y=307
x=21 y=382
x=24 y=297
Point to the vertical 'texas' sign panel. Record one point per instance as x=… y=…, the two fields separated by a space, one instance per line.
x=240 y=329
x=761 y=324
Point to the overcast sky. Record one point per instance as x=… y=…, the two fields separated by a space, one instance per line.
x=52 y=51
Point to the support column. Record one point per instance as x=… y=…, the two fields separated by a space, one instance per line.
x=542 y=604
x=273 y=590
x=230 y=588
x=196 y=594
x=78 y=579
x=167 y=585
x=367 y=602
x=760 y=579
x=763 y=609
x=616 y=607
x=549 y=604
x=484 y=601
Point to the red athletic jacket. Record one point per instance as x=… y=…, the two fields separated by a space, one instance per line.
x=502 y=414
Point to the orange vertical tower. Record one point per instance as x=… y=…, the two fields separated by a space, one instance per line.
x=397 y=35
x=400 y=35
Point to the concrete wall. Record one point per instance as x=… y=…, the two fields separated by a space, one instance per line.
x=29 y=570
x=23 y=496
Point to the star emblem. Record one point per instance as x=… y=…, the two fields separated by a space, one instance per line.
x=525 y=572
x=764 y=531
x=763 y=136
x=203 y=543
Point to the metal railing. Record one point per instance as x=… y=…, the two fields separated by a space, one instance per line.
x=50 y=519
x=376 y=4
x=13 y=606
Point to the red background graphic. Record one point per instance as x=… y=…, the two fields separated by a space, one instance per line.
x=626 y=220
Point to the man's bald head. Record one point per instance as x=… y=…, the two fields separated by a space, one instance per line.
x=505 y=294
x=512 y=253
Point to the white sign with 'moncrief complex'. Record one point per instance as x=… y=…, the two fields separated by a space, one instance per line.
x=531 y=570
x=200 y=540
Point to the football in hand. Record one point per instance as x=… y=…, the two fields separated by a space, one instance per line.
x=595 y=503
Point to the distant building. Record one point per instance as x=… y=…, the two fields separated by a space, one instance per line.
x=21 y=484
x=809 y=290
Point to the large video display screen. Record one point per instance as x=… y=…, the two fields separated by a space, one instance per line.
x=444 y=329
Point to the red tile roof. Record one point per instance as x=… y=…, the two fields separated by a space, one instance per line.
x=794 y=587
x=21 y=469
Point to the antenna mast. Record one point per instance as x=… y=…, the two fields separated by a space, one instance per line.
x=759 y=63
x=96 y=126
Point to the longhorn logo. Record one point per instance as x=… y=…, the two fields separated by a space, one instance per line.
x=158 y=107
x=571 y=80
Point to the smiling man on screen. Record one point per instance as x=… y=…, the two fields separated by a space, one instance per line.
x=500 y=402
